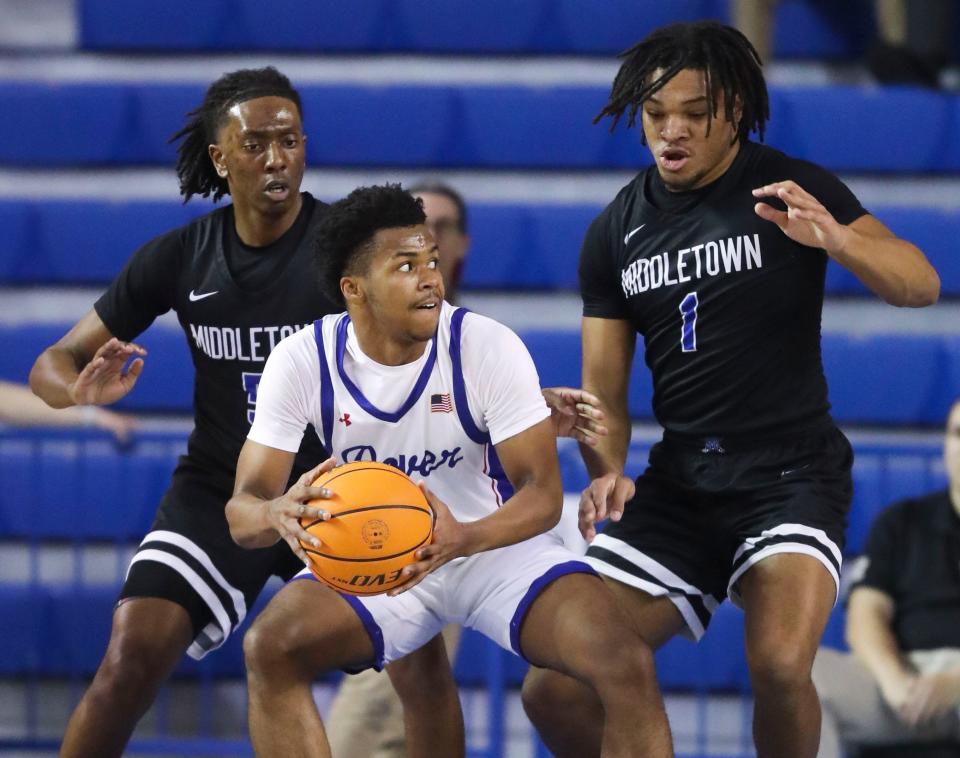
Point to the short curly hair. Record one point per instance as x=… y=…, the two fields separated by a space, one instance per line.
x=343 y=237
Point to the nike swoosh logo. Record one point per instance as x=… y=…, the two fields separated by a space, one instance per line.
x=194 y=296
x=788 y=471
x=627 y=238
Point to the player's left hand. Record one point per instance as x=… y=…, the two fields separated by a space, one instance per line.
x=449 y=542
x=930 y=696
x=805 y=221
x=575 y=413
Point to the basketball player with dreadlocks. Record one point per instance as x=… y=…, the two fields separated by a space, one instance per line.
x=238 y=281
x=716 y=254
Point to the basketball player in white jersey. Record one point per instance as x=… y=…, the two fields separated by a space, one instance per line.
x=453 y=399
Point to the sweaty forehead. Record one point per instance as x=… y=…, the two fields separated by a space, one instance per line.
x=409 y=239
x=263 y=113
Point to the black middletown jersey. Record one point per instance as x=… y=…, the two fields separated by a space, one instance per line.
x=230 y=326
x=729 y=307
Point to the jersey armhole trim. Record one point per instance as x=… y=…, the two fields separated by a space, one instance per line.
x=326 y=387
x=459 y=386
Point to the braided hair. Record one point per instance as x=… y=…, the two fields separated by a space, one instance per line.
x=729 y=62
x=195 y=170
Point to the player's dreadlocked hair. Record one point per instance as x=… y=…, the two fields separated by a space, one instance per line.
x=194 y=168
x=349 y=225
x=729 y=62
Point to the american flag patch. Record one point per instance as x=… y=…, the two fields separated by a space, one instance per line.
x=440 y=403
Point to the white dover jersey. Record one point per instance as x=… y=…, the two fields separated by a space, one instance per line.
x=436 y=419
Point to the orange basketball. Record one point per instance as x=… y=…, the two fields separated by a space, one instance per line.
x=380 y=517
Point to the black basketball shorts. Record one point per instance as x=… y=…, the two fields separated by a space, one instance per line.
x=189 y=558
x=707 y=510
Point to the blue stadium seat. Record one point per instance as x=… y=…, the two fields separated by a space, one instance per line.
x=887 y=379
x=516 y=246
x=23 y=613
x=920 y=372
x=99 y=115
x=717 y=662
x=495 y=126
x=75 y=245
x=89 y=489
x=822 y=29
x=803 y=28
x=166 y=384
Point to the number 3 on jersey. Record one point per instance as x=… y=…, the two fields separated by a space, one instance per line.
x=688 y=330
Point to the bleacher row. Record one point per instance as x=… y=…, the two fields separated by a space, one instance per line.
x=883 y=379
x=61 y=487
x=113 y=123
x=819 y=29
x=515 y=246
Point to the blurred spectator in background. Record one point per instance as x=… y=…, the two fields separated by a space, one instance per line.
x=912 y=44
x=755 y=19
x=447 y=222
x=913 y=41
x=366 y=718
x=20 y=407
x=901 y=683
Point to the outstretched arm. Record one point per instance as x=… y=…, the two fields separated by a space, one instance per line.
x=86 y=366
x=894 y=269
x=20 y=407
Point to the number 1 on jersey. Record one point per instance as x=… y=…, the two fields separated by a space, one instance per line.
x=688 y=332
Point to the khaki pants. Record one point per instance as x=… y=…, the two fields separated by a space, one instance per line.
x=855 y=713
x=366 y=717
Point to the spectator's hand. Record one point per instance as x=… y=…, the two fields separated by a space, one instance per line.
x=120 y=425
x=450 y=540
x=930 y=696
x=103 y=380
x=896 y=693
x=805 y=221
x=284 y=513
x=604 y=498
x=575 y=413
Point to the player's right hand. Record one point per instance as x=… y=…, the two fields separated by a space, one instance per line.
x=103 y=380
x=284 y=513
x=604 y=498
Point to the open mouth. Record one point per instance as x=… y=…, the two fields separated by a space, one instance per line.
x=277 y=189
x=430 y=305
x=673 y=159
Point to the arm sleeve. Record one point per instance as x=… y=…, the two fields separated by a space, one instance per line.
x=144 y=289
x=599 y=281
x=502 y=383
x=283 y=397
x=829 y=190
x=881 y=571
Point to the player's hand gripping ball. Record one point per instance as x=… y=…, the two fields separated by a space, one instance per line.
x=379 y=518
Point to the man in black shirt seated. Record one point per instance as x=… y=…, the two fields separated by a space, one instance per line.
x=901 y=684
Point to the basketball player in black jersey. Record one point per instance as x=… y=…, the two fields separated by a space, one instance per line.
x=717 y=256
x=240 y=279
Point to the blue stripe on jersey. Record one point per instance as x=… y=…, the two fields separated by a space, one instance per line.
x=326 y=388
x=537 y=586
x=459 y=387
x=499 y=475
x=362 y=401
